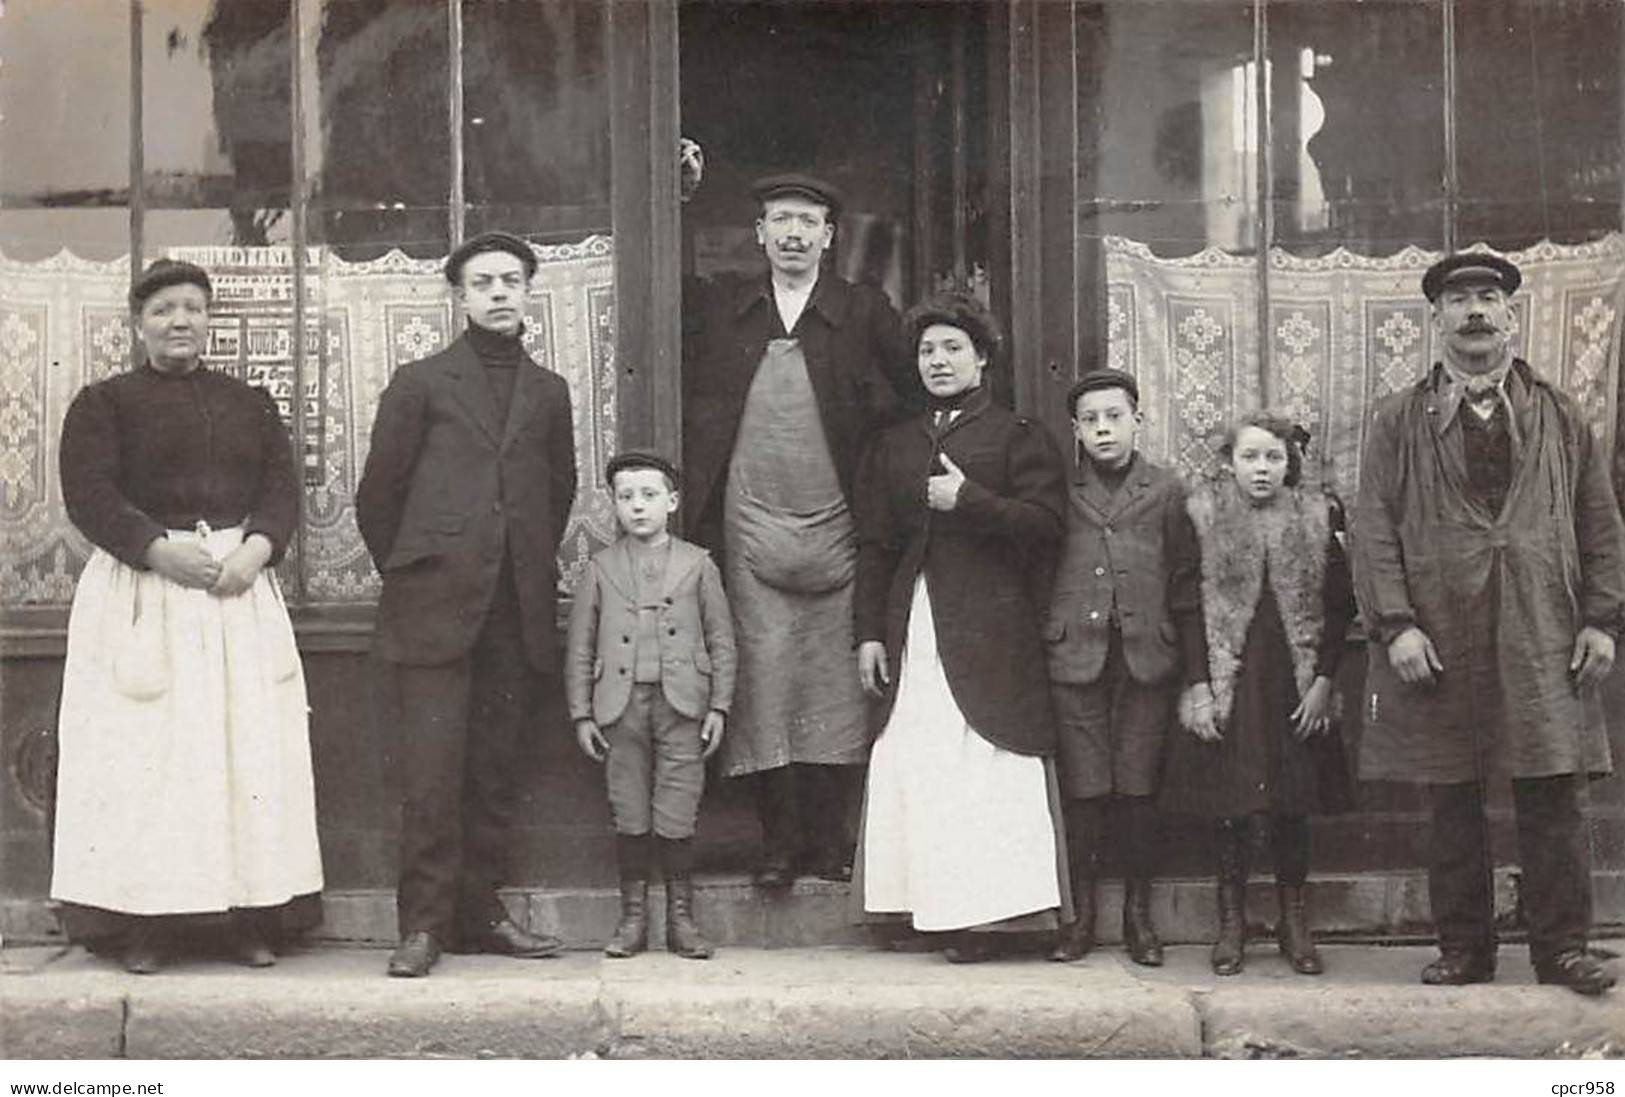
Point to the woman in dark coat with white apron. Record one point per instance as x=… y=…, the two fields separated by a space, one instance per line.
x=959 y=515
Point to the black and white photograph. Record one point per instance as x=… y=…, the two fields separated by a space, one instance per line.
x=828 y=530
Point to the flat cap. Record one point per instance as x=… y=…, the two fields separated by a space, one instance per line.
x=799 y=185
x=489 y=241
x=1097 y=379
x=641 y=459
x=167 y=272
x=1470 y=267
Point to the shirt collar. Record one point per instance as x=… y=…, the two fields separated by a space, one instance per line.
x=1452 y=386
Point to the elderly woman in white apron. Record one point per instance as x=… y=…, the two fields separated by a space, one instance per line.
x=184 y=782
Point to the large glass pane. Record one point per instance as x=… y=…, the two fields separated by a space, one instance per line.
x=1537 y=120
x=64 y=131
x=536 y=117
x=379 y=158
x=1357 y=116
x=1178 y=109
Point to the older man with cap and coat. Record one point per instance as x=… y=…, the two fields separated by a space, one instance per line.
x=1488 y=557
x=786 y=377
x=463 y=501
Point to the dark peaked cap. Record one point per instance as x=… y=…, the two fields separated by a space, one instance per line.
x=1098 y=379
x=489 y=241
x=641 y=459
x=1471 y=266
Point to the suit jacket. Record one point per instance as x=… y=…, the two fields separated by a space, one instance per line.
x=448 y=490
x=1132 y=551
x=858 y=360
x=988 y=563
x=695 y=633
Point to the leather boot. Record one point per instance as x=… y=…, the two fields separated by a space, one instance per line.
x=778 y=811
x=631 y=934
x=144 y=945
x=1076 y=939
x=1292 y=932
x=683 y=937
x=1085 y=820
x=1229 y=951
x=1138 y=934
x=249 y=943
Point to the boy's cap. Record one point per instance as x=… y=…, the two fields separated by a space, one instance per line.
x=1098 y=379
x=489 y=241
x=641 y=459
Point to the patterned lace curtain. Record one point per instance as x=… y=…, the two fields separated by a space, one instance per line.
x=1344 y=330
x=64 y=324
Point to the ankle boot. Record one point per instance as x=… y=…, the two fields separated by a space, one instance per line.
x=1076 y=939
x=1297 y=943
x=144 y=945
x=1229 y=951
x=631 y=934
x=683 y=937
x=632 y=931
x=1138 y=934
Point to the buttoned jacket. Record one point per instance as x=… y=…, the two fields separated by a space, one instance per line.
x=694 y=630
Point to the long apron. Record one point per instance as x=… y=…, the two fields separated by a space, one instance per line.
x=184 y=781
x=957 y=832
x=791 y=557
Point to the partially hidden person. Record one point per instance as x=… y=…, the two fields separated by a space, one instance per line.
x=1489 y=564
x=1264 y=749
x=184 y=784
x=1124 y=624
x=786 y=378
x=959 y=515
x=649 y=672
x=463 y=500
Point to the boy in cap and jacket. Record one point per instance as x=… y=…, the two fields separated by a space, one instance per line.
x=1126 y=611
x=649 y=672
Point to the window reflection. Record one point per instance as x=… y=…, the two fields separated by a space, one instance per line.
x=65 y=141
x=380 y=151
x=1178 y=111
x=215 y=122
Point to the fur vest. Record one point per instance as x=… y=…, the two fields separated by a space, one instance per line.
x=1290 y=532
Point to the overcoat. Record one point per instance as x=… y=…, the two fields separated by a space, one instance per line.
x=1501 y=596
x=447 y=489
x=989 y=563
x=858 y=361
x=695 y=634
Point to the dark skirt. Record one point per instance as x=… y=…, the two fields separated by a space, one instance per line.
x=1259 y=765
x=102 y=930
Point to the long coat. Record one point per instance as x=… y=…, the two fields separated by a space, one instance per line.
x=447 y=488
x=858 y=360
x=1500 y=595
x=988 y=563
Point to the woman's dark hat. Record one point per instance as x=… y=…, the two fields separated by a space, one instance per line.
x=489 y=241
x=795 y=184
x=168 y=272
x=1471 y=267
x=641 y=459
x=1098 y=379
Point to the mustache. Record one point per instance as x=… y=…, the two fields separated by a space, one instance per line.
x=1481 y=327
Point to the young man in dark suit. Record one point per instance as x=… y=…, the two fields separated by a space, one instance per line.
x=465 y=495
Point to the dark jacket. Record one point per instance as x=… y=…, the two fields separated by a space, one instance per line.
x=858 y=360
x=1135 y=550
x=988 y=563
x=1501 y=596
x=447 y=490
x=695 y=635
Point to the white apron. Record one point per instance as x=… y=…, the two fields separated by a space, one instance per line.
x=184 y=781
x=957 y=831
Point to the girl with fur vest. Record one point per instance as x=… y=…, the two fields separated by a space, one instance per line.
x=1277 y=601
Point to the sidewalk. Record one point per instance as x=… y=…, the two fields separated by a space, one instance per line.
x=796 y=1003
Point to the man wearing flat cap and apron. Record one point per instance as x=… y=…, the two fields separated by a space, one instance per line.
x=464 y=498
x=785 y=378
x=1488 y=557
